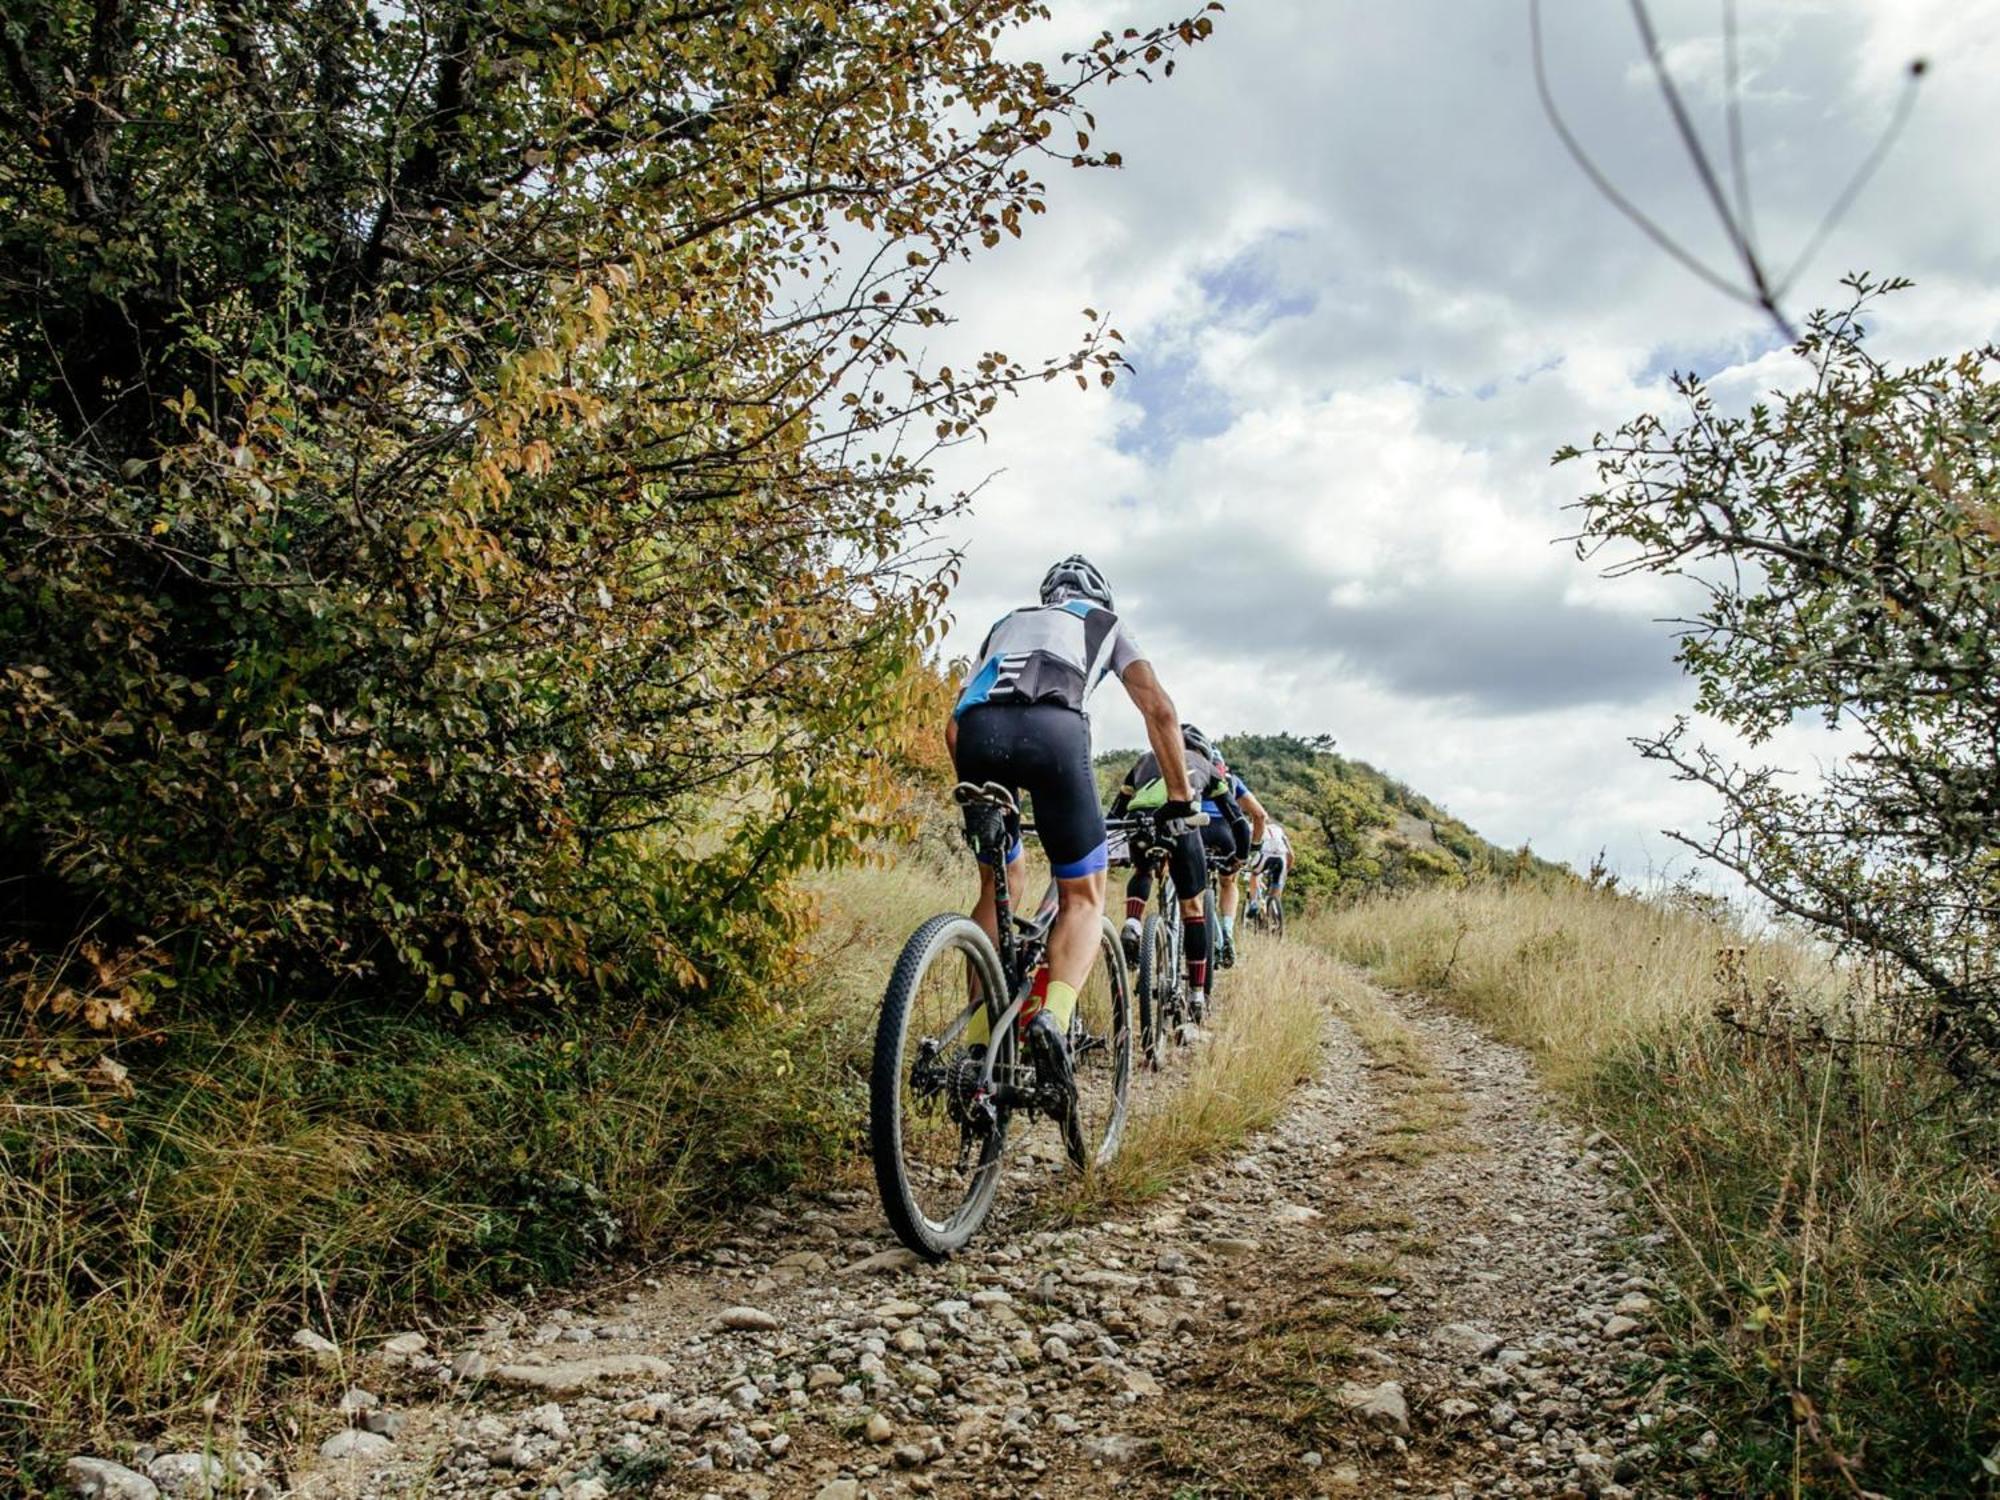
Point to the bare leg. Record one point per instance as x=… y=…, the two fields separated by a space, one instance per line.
x=1079 y=929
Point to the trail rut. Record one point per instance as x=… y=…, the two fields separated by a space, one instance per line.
x=1416 y=1283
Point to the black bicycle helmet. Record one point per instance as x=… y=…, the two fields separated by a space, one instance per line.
x=1198 y=742
x=1075 y=578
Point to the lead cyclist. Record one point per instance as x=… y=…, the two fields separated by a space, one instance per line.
x=1020 y=722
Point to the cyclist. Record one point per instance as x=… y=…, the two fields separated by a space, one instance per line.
x=1274 y=862
x=1247 y=832
x=1145 y=786
x=1020 y=722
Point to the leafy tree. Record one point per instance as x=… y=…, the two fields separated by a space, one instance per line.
x=460 y=465
x=1846 y=535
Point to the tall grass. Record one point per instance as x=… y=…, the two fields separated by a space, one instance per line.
x=1264 y=1041
x=352 y=1170
x=1572 y=973
x=1832 y=1203
x=355 y=1171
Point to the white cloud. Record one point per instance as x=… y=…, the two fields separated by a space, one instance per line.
x=1368 y=295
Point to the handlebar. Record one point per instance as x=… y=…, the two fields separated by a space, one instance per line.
x=1144 y=825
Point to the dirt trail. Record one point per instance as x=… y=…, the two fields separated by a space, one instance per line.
x=1413 y=1284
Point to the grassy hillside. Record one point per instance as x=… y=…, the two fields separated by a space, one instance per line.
x=1356 y=830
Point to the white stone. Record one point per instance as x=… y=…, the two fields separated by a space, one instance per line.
x=548 y=1418
x=1381 y=1404
x=190 y=1474
x=353 y=1444
x=101 y=1479
x=569 y=1376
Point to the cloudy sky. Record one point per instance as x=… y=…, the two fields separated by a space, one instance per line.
x=1367 y=295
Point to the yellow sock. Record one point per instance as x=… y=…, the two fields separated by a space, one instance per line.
x=1061 y=1002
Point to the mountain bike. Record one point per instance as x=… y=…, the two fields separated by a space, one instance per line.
x=1222 y=950
x=941 y=1107
x=1161 y=982
x=1266 y=911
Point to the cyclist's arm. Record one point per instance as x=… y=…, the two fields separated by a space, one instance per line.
x=1163 y=726
x=1258 y=817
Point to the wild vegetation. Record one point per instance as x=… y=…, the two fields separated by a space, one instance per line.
x=1828 y=1193
x=1845 y=535
x=1354 y=830
x=464 y=475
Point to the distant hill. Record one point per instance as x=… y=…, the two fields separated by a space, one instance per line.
x=1353 y=828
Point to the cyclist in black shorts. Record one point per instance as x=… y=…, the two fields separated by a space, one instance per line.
x=1248 y=836
x=1020 y=721
x=1225 y=836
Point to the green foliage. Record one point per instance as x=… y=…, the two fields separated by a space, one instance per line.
x=1354 y=830
x=458 y=468
x=1843 y=1264
x=1846 y=533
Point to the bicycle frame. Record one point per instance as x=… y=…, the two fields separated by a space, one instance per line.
x=1021 y=942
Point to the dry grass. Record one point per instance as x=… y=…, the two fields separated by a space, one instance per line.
x=358 y=1172
x=1265 y=1042
x=1570 y=973
x=1831 y=1200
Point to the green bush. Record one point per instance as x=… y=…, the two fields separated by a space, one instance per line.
x=1840 y=1248
x=455 y=511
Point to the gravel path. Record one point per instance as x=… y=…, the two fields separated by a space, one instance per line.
x=1413 y=1284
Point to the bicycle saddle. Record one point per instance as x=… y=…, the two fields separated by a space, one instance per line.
x=992 y=794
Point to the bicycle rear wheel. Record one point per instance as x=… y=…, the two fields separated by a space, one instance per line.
x=937 y=1147
x=1158 y=973
x=1100 y=1050
x=1277 y=916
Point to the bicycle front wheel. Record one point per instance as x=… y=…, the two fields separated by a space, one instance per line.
x=1213 y=917
x=1100 y=1050
x=937 y=1144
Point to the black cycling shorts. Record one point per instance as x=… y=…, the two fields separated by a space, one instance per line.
x=1274 y=873
x=1219 y=838
x=1187 y=862
x=1044 y=750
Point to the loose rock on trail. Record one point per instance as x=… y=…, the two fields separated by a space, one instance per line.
x=1416 y=1283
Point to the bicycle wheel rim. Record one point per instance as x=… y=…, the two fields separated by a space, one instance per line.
x=937 y=1180
x=1100 y=1037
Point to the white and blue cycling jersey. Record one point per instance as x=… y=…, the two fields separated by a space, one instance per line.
x=1049 y=653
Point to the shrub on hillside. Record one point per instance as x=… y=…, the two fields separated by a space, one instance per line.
x=456 y=525
x=1847 y=536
